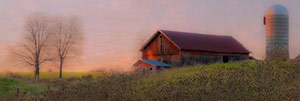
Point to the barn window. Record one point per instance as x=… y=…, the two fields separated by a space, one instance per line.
x=150 y=68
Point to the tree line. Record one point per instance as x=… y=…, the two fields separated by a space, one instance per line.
x=49 y=39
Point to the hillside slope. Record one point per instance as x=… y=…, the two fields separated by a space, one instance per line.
x=232 y=81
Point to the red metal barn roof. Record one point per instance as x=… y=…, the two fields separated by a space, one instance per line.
x=201 y=42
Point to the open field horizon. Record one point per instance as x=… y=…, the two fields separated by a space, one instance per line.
x=53 y=75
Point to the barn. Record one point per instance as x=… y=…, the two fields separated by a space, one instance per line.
x=185 y=48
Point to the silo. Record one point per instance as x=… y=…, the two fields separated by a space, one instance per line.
x=276 y=21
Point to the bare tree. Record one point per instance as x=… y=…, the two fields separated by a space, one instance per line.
x=67 y=38
x=33 y=51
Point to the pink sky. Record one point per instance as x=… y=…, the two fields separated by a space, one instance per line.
x=116 y=29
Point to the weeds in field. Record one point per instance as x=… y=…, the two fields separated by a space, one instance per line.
x=236 y=81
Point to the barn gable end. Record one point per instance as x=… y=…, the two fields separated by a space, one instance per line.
x=160 y=45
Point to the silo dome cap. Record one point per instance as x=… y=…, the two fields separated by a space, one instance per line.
x=277 y=10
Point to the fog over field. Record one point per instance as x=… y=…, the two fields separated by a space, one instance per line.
x=116 y=29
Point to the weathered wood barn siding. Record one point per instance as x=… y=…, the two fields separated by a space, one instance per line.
x=162 y=47
x=170 y=53
x=194 y=57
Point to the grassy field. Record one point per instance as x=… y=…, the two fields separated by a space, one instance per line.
x=53 y=75
x=248 y=80
x=22 y=82
x=9 y=86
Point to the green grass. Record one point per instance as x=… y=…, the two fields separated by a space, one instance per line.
x=10 y=82
x=255 y=80
x=53 y=75
x=9 y=86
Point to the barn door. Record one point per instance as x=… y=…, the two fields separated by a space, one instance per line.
x=225 y=59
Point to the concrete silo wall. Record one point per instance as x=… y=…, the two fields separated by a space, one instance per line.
x=277 y=29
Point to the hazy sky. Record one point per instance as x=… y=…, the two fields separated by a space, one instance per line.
x=116 y=29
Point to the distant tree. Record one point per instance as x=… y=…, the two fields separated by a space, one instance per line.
x=67 y=39
x=33 y=51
